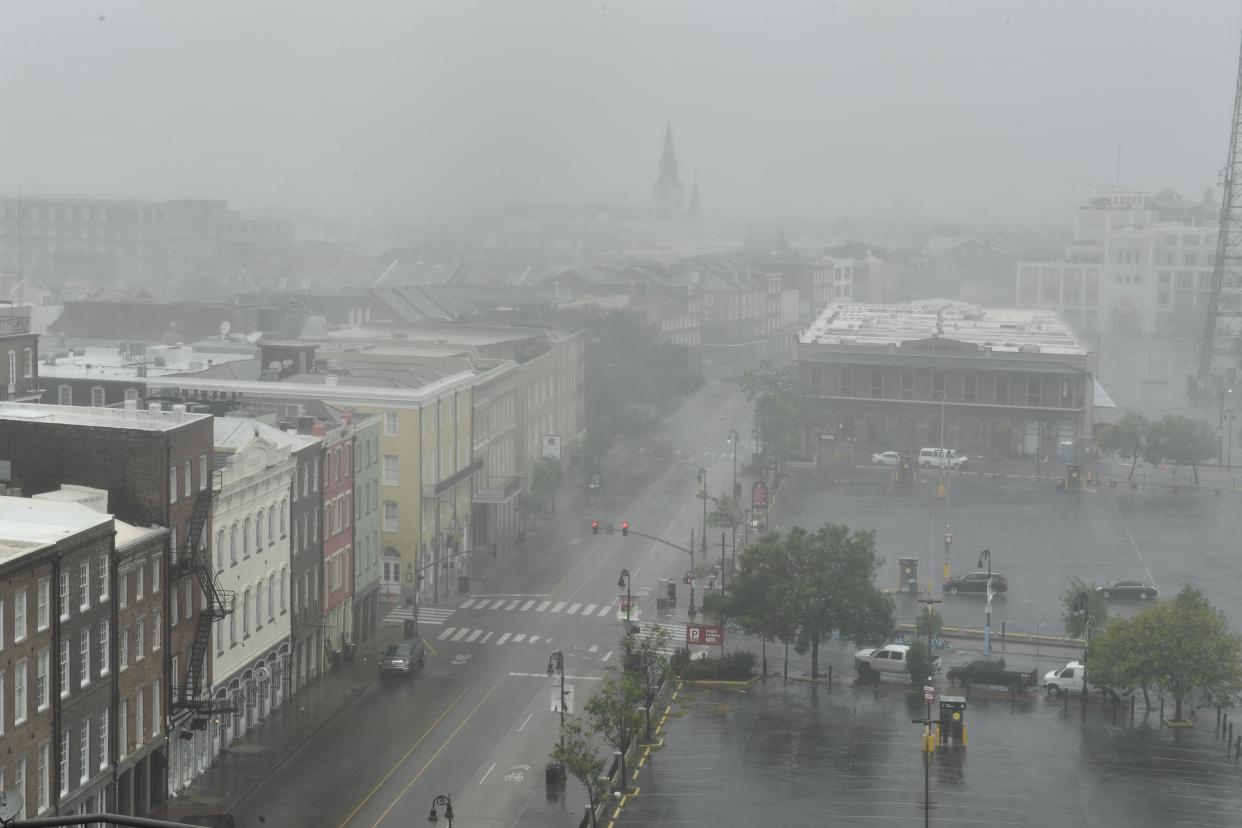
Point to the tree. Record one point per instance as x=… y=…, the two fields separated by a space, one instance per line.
x=919 y=660
x=756 y=601
x=1083 y=610
x=582 y=761
x=785 y=412
x=544 y=482
x=613 y=714
x=726 y=513
x=595 y=444
x=1181 y=441
x=1127 y=437
x=649 y=667
x=1182 y=646
x=929 y=617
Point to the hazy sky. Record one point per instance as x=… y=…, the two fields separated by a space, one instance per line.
x=404 y=110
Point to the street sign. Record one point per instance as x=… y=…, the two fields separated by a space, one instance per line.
x=929 y=692
x=759 y=495
x=705 y=635
x=688 y=578
x=10 y=805
x=624 y=601
x=569 y=698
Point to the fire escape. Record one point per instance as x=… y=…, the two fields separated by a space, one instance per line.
x=219 y=603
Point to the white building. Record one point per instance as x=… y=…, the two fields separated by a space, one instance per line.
x=1139 y=264
x=250 y=517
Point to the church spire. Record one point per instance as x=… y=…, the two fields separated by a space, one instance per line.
x=668 y=188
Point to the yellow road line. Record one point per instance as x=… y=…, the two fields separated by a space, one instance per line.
x=393 y=769
x=429 y=647
x=445 y=744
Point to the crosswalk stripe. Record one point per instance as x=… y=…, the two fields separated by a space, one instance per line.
x=489 y=635
x=573 y=609
x=527 y=605
x=519 y=638
x=460 y=634
x=445 y=634
x=533 y=639
x=560 y=605
x=512 y=606
x=466 y=604
x=592 y=648
x=502 y=639
x=607 y=656
x=473 y=636
x=604 y=610
x=590 y=608
x=543 y=606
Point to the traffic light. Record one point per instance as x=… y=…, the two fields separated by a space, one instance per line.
x=595 y=527
x=625 y=528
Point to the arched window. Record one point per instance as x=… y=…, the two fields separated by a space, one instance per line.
x=271 y=595
x=220 y=551
x=258 y=605
x=246 y=537
x=232 y=629
x=246 y=613
x=284 y=588
x=271 y=525
x=233 y=544
x=284 y=513
x=258 y=532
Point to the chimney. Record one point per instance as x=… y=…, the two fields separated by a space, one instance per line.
x=153 y=408
x=318 y=430
x=131 y=405
x=178 y=412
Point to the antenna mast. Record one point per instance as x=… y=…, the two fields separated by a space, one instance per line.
x=1223 y=326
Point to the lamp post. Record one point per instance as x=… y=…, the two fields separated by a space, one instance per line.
x=691 y=611
x=703 y=479
x=435 y=579
x=1229 y=417
x=1220 y=425
x=624 y=581
x=1084 y=604
x=441 y=800
x=556 y=664
x=735 y=438
x=987 y=622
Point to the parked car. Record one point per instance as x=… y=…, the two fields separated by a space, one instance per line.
x=1069 y=679
x=594 y=485
x=889 y=659
x=1128 y=589
x=942 y=457
x=402 y=658
x=976 y=582
x=991 y=672
x=886 y=458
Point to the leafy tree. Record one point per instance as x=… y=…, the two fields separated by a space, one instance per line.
x=543 y=485
x=928 y=617
x=1083 y=610
x=726 y=513
x=1182 y=646
x=595 y=444
x=919 y=660
x=613 y=714
x=1127 y=437
x=786 y=413
x=649 y=667
x=582 y=761
x=756 y=601
x=1181 y=441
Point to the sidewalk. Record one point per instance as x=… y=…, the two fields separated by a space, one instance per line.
x=236 y=772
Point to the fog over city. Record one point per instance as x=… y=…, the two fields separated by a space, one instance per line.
x=408 y=111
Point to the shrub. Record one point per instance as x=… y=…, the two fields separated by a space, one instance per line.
x=736 y=666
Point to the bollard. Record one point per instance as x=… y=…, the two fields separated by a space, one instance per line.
x=1002 y=636
x=1218 y=711
x=1230 y=739
x=829 y=678
x=1064 y=704
x=1162 y=711
x=876 y=693
x=1131 y=711
x=1237 y=750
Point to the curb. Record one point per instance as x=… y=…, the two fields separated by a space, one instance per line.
x=719 y=683
x=1020 y=637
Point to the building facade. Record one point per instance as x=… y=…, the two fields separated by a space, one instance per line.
x=305 y=564
x=338 y=534
x=19 y=359
x=367 y=563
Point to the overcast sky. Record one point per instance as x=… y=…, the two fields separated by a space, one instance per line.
x=405 y=110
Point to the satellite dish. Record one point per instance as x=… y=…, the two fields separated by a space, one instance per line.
x=225 y=327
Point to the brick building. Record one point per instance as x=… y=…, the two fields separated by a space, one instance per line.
x=338 y=532
x=19 y=359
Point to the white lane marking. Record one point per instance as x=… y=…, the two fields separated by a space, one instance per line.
x=473 y=636
x=604 y=610
x=560 y=605
x=526 y=607
x=607 y=656
x=533 y=639
x=543 y=606
x=524 y=724
x=512 y=606
x=502 y=639
x=590 y=608
x=573 y=609
x=446 y=633
x=568 y=678
x=498 y=604
x=492 y=768
x=460 y=634
x=592 y=648
x=519 y=638
x=489 y=635
x=466 y=605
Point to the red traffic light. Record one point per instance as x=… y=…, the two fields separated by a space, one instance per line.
x=595 y=527
x=625 y=528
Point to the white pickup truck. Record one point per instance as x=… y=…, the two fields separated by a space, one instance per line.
x=889 y=659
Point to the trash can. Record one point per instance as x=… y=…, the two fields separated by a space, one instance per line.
x=553 y=775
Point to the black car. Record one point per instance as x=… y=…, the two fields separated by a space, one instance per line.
x=402 y=658
x=1127 y=589
x=976 y=582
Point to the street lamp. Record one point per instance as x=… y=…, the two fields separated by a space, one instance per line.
x=624 y=581
x=703 y=479
x=1220 y=425
x=442 y=799
x=987 y=623
x=435 y=580
x=734 y=437
x=556 y=664
x=1229 y=416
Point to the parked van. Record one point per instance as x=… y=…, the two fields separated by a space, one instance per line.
x=941 y=457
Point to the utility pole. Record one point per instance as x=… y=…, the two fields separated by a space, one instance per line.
x=987 y=623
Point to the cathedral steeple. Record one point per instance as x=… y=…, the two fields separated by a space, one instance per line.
x=694 y=210
x=668 y=189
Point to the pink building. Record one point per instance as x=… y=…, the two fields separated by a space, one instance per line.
x=338 y=535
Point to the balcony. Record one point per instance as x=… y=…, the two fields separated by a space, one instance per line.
x=24 y=390
x=14 y=325
x=499 y=491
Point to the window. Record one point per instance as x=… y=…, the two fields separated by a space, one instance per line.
x=156 y=630
x=102 y=574
x=172 y=483
x=140 y=718
x=84 y=585
x=44 y=595
x=233 y=544
x=98 y=398
x=103 y=738
x=27 y=363
x=390 y=516
x=140 y=577
x=937 y=385
x=42 y=667
x=19 y=616
x=245 y=537
x=392 y=470
x=84 y=657
x=155 y=708
x=305 y=479
x=390 y=424
x=131 y=394
x=258 y=605
x=84 y=751
x=42 y=775
x=315 y=525
x=877 y=382
x=188 y=601
x=123 y=589
x=314 y=467
x=63 y=762
x=284 y=589
x=64 y=395
x=907 y=385
x=188 y=479
x=232 y=629
x=19 y=692
x=1002 y=390
x=172 y=607
x=19 y=780
x=202 y=472
x=155 y=571
x=105 y=660
x=1032 y=391
x=122 y=727
x=140 y=636
x=847 y=382
x=246 y=614
x=969 y=390
x=219 y=550
x=271 y=526
x=258 y=531
x=284 y=518
x=271 y=596
x=123 y=647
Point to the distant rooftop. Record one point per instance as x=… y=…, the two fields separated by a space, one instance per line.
x=1001 y=329
x=30 y=525
x=140 y=419
x=327 y=388
x=116 y=364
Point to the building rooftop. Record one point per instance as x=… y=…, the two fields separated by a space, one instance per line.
x=328 y=389
x=27 y=525
x=1002 y=329
x=117 y=363
x=138 y=419
x=236 y=432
